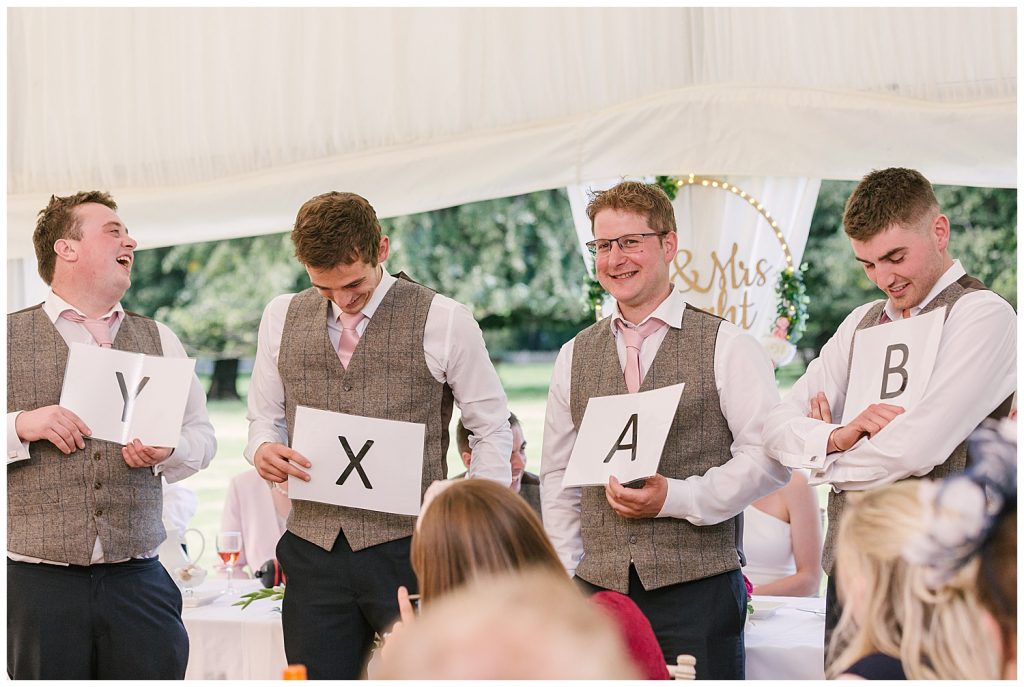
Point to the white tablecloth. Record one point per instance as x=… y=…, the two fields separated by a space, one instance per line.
x=790 y=644
x=228 y=643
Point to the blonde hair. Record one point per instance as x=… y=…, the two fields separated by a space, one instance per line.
x=532 y=625
x=927 y=628
x=476 y=526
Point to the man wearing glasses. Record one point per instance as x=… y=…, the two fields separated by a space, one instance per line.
x=670 y=545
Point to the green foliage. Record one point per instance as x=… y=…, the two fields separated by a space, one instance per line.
x=983 y=224
x=274 y=593
x=212 y=294
x=513 y=261
x=793 y=300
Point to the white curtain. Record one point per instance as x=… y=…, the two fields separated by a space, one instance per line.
x=210 y=123
x=729 y=255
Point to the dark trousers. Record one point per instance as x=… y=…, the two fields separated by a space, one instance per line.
x=703 y=618
x=114 y=621
x=337 y=600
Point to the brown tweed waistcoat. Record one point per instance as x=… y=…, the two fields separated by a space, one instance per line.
x=955 y=462
x=387 y=378
x=57 y=505
x=664 y=551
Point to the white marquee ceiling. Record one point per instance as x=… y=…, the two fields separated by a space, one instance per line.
x=214 y=123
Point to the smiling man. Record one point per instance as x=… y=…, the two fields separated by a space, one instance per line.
x=671 y=545
x=900 y=237
x=87 y=597
x=363 y=342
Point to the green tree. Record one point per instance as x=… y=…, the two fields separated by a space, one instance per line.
x=983 y=226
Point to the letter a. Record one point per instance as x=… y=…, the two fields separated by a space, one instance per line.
x=890 y=369
x=619 y=446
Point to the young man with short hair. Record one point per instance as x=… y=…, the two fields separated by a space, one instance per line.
x=87 y=597
x=362 y=342
x=671 y=545
x=900 y=236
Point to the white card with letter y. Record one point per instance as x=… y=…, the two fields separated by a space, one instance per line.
x=123 y=395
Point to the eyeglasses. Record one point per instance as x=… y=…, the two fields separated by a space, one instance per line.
x=628 y=243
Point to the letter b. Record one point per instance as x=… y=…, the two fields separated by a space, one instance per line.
x=899 y=369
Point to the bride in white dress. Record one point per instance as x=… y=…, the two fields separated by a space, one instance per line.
x=782 y=541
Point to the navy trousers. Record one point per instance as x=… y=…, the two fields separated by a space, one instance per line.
x=114 y=621
x=703 y=618
x=337 y=600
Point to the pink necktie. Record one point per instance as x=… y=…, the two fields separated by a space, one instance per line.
x=884 y=318
x=349 y=336
x=634 y=338
x=99 y=328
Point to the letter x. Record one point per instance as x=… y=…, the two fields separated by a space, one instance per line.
x=354 y=461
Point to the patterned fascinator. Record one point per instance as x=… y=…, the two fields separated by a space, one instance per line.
x=961 y=510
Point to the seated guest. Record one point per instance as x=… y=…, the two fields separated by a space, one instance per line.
x=526 y=484
x=782 y=541
x=909 y=578
x=523 y=625
x=259 y=510
x=474 y=527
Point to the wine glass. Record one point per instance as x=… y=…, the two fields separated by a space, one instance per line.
x=229 y=546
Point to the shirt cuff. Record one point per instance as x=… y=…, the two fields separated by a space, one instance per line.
x=816 y=447
x=16 y=449
x=678 y=500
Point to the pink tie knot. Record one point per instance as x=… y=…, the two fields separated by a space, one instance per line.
x=349 y=336
x=99 y=328
x=633 y=338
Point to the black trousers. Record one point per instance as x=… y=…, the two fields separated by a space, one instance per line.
x=337 y=600
x=112 y=621
x=703 y=618
x=833 y=610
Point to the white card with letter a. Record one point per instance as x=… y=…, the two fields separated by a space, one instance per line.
x=361 y=462
x=123 y=396
x=893 y=362
x=622 y=435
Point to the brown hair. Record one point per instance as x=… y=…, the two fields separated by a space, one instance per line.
x=462 y=434
x=58 y=221
x=646 y=200
x=997 y=578
x=473 y=527
x=336 y=229
x=887 y=197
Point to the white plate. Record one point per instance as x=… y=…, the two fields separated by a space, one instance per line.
x=764 y=609
x=200 y=598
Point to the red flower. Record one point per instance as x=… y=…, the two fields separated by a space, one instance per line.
x=749 y=586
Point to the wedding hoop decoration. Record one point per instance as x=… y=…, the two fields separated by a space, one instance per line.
x=791 y=308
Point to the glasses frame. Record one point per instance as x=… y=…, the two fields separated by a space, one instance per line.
x=592 y=245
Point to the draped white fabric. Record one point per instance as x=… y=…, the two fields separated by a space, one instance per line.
x=214 y=123
x=729 y=258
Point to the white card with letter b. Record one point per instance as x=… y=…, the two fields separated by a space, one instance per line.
x=893 y=363
x=123 y=396
x=622 y=435
x=360 y=462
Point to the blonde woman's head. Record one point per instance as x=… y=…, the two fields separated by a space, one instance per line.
x=900 y=608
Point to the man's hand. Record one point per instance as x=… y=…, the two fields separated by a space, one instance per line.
x=407 y=614
x=138 y=455
x=870 y=422
x=55 y=424
x=637 y=503
x=275 y=462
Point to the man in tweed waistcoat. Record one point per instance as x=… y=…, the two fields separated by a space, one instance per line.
x=671 y=545
x=363 y=342
x=900 y=237
x=87 y=597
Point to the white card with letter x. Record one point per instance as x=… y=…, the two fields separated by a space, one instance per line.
x=360 y=462
x=622 y=435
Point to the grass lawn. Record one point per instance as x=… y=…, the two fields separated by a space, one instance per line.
x=525 y=383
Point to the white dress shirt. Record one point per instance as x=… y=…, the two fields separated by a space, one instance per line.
x=747 y=390
x=196 y=446
x=975 y=370
x=454 y=350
